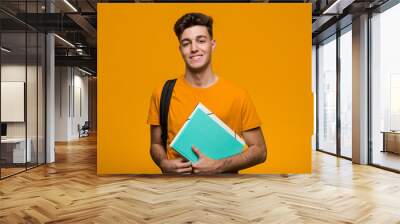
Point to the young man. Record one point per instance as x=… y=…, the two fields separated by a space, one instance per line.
x=200 y=84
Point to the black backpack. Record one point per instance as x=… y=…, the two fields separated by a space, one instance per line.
x=164 y=109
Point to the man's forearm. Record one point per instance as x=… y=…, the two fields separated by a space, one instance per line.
x=158 y=153
x=243 y=160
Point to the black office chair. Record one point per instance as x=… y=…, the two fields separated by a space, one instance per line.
x=84 y=130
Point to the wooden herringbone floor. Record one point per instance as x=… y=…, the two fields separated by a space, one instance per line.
x=69 y=191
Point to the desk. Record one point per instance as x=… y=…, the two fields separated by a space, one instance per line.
x=15 y=148
x=391 y=141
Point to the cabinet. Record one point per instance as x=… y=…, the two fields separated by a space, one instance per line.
x=391 y=142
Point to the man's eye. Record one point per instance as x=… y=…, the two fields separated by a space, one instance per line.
x=202 y=41
x=185 y=44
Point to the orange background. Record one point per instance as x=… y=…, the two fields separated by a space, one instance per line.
x=265 y=48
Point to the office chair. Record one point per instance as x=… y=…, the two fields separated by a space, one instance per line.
x=84 y=130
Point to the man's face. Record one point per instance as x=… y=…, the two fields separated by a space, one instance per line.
x=196 y=47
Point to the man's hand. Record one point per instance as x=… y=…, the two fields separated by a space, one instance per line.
x=178 y=165
x=255 y=153
x=205 y=165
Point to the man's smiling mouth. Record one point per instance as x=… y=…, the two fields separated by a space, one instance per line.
x=195 y=57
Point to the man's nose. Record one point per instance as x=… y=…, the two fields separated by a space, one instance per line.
x=193 y=48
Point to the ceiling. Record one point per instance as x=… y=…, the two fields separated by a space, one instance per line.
x=76 y=24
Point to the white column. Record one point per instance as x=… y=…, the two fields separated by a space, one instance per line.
x=360 y=90
x=50 y=100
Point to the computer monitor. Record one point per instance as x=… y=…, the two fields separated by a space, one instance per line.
x=3 y=129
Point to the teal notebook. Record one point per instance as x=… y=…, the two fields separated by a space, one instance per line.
x=209 y=134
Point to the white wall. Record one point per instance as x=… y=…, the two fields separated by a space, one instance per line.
x=16 y=73
x=71 y=94
x=33 y=127
x=13 y=72
x=62 y=78
x=80 y=84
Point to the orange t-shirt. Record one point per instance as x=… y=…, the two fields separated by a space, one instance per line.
x=228 y=102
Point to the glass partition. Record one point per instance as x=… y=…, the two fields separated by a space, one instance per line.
x=14 y=153
x=22 y=77
x=327 y=95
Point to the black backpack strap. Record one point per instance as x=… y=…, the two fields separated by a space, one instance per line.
x=164 y=109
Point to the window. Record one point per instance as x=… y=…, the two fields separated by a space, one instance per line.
x=327 y=95
x=385 y=88
x=346 y=93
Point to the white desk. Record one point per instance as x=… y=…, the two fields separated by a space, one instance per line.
x=18 y=150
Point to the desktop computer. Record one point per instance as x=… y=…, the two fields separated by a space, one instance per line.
x=3 y=131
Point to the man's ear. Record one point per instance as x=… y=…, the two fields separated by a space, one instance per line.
x=213 y=44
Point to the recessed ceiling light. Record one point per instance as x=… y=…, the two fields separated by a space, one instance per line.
x=70 y=5
x=337 y=7
x=84 y=71
x=5 y=50
x=64 y=40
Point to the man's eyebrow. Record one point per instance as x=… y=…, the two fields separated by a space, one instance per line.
x=186 y=39
x=201 y=36
x=197 y=37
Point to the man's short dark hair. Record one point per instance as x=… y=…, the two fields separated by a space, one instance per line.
x=193 y=19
